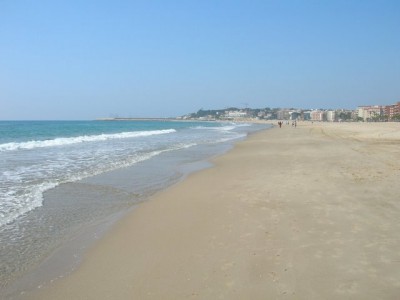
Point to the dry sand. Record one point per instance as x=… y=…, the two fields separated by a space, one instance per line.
x=294 y=213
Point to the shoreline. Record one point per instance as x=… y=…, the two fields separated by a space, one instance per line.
x=287 y=212
x=67 y=256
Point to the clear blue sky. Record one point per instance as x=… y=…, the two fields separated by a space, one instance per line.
x=87 y=59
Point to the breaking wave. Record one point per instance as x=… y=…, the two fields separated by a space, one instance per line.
x=80 y=139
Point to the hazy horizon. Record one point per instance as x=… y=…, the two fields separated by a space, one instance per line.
x=71 y=60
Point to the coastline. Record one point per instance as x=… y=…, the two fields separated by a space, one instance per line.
x=305 y=213
x=99 y=178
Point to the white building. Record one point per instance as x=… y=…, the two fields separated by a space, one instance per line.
x=331 y=116
x=236 y=114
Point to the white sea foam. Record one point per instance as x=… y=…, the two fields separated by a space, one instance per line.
x=80 y=139
x=219 y=128
x=242 y=124
x=225 y=128
x=13 y=204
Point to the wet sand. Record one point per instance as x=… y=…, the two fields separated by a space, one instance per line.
x=290 y=213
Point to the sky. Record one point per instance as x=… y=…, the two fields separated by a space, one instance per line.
x=79 y=60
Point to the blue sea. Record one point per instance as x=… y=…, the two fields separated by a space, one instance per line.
x=59 y=178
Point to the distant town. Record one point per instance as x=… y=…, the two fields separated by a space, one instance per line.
x=367 y=113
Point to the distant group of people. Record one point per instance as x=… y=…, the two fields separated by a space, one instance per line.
x=294 y=123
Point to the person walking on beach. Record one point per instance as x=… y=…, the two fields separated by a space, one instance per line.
x=280 y=124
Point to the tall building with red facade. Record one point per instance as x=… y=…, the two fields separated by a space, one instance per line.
x=392 y=110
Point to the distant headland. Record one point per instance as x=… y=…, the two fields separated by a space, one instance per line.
x=366 y=113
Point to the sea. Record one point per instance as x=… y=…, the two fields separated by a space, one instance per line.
x=64 y=183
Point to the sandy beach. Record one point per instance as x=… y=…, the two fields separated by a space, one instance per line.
x=290 y=213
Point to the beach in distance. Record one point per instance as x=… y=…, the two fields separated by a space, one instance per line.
x=305 y=212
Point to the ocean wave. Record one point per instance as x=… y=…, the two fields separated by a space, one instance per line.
x=226 y=128
x=80 y=139
x=217 y=128
x=242 y=124
x=14 y=203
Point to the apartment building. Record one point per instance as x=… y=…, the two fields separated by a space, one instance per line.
x=283 y=114
x=331 y=116
x=370 y=112
x=306 y=115
x=318 y=115
x=391 y=110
